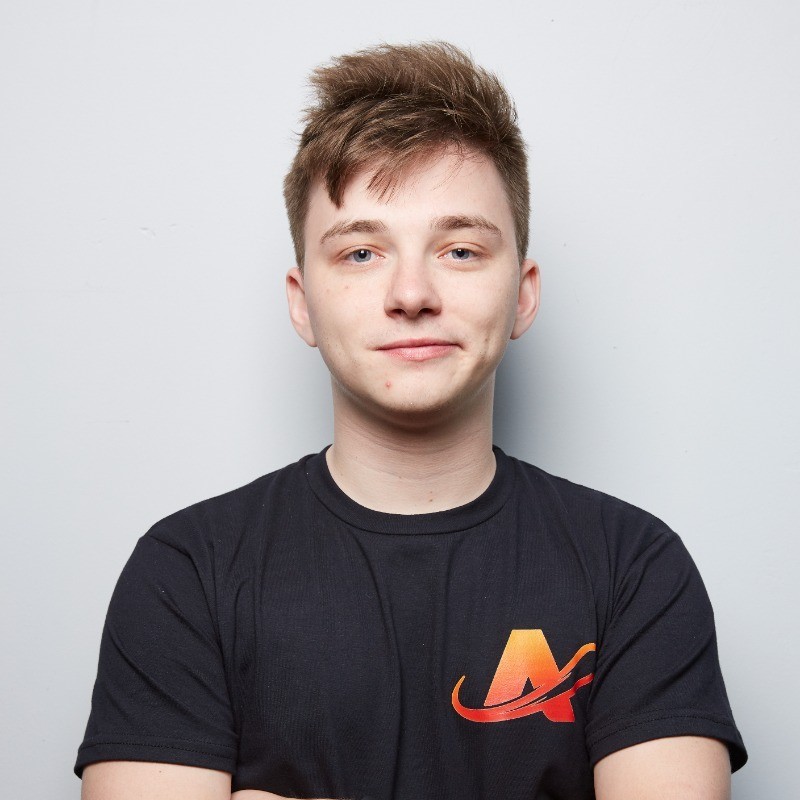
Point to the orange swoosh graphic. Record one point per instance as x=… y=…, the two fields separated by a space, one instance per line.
x=530 y=703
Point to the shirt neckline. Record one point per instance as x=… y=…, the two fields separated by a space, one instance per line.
x=460 y=518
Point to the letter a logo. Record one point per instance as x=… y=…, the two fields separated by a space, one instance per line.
x=527 y=663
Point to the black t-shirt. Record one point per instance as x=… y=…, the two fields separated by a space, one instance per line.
x=315 y=648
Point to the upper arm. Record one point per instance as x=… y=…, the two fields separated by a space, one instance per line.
x=676 y=768
x=137 y=780
x=657 y=672
x=161 y=693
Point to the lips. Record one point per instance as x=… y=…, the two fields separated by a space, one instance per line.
x=418 y=349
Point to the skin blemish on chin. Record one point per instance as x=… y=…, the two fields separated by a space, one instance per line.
x=388 y=384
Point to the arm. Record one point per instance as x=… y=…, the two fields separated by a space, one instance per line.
x=142 y=780
x=161 y=696
x=256 y=794
x=675 y=768
x=657 y=678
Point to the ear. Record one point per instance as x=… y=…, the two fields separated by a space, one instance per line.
x=528 y=297
x=298 y=308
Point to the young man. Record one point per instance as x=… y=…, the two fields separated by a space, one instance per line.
x=410 y=613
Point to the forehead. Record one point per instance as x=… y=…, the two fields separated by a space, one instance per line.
x=446 y=184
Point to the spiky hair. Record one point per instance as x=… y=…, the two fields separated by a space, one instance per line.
x=388 y=108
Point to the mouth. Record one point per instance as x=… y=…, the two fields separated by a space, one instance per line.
x=418 y=349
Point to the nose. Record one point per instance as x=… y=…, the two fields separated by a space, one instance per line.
x=411 y=291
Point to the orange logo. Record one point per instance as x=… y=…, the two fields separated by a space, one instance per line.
x=527 y=662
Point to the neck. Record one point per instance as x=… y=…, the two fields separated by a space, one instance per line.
x=412 y=469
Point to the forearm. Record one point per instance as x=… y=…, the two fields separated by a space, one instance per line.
x=256 y=794
x=137 y=780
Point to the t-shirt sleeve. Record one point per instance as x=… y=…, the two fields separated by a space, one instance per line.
x=161 y=692
x=657 y=672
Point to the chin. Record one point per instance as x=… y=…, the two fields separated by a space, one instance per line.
x=415 y=404
x=419 y=411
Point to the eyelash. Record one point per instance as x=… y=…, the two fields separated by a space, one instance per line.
x=464 y=250
x=349 y=256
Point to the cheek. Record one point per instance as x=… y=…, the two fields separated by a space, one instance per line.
x=334 y=317
x=496 y=312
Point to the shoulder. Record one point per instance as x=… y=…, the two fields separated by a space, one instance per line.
x=584 y=504
x=226 y=521
x=605 y=528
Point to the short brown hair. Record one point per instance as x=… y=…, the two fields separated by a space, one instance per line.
x=387 y=108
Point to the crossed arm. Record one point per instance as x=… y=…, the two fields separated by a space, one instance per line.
x=677 y=768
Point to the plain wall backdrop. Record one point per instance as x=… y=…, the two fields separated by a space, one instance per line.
x=148 y=361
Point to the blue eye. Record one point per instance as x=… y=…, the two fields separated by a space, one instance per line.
x=361 y=256
x=461 y=254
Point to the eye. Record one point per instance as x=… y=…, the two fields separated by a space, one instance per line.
x=360 y=256
x=461 y=254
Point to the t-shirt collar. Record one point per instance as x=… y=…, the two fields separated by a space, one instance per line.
x=463 y=517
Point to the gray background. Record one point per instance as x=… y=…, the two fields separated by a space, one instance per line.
x=148 y=361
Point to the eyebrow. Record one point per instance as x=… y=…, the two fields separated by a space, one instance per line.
x=353 y=226
x=452 y=222
x=459 y=221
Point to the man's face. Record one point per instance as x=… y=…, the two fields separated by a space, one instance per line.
x=412 y=298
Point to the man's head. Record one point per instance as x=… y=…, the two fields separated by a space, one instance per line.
x=408 y=201
x=387 y=109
